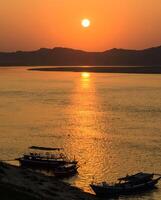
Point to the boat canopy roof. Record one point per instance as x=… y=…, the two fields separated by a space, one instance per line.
x=45 y=148
x=138 y=176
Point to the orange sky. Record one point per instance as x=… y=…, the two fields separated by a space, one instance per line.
x=31 y=24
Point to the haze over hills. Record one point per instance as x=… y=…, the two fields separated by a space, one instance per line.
x=70 y=57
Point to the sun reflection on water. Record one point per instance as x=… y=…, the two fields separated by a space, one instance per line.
x=85 y=75
x=86 y=134
x=85 y=80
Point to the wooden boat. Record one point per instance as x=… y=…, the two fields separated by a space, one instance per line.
x=127 y=185
x=66 y=170
x=45 y=159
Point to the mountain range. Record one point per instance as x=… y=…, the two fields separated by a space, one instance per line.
x=70 y=57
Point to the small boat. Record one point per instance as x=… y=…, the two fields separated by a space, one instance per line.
x=66 y=170
x=45 y=160
x=127 y=185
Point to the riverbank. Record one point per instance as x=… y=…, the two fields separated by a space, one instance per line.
x=18 y=183
x=113 y=69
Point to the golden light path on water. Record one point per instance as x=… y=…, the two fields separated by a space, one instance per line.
x=87 y=134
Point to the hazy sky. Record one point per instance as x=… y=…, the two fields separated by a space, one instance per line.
x=31 y=24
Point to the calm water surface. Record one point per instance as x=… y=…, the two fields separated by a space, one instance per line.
x=110 y=122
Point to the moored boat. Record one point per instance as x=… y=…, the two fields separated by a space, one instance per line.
x=45 y=159
x=66 y=170
x=127 y=185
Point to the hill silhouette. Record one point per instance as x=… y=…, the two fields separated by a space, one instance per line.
x=70 y=57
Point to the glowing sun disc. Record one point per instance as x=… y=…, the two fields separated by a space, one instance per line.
x=86 y=23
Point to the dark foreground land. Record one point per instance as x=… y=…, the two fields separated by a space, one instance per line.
x=114 y=69
x=23 y=184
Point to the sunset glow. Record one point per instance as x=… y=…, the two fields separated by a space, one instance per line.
x=80 y=90
x=30 y=25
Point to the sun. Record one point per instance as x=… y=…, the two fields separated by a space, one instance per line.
x=85 y=23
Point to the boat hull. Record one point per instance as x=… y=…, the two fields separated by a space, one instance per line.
x=61 y=174
x=116 y=191
x=42 y=164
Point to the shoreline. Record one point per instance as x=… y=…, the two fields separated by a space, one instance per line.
x=19 y=183
x=114 y=69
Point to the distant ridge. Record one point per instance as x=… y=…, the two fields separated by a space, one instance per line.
x=59 y=56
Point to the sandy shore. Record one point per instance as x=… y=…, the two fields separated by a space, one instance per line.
x=18 y=183
x=113 y=69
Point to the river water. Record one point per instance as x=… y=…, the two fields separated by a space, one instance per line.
x=111 y=123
